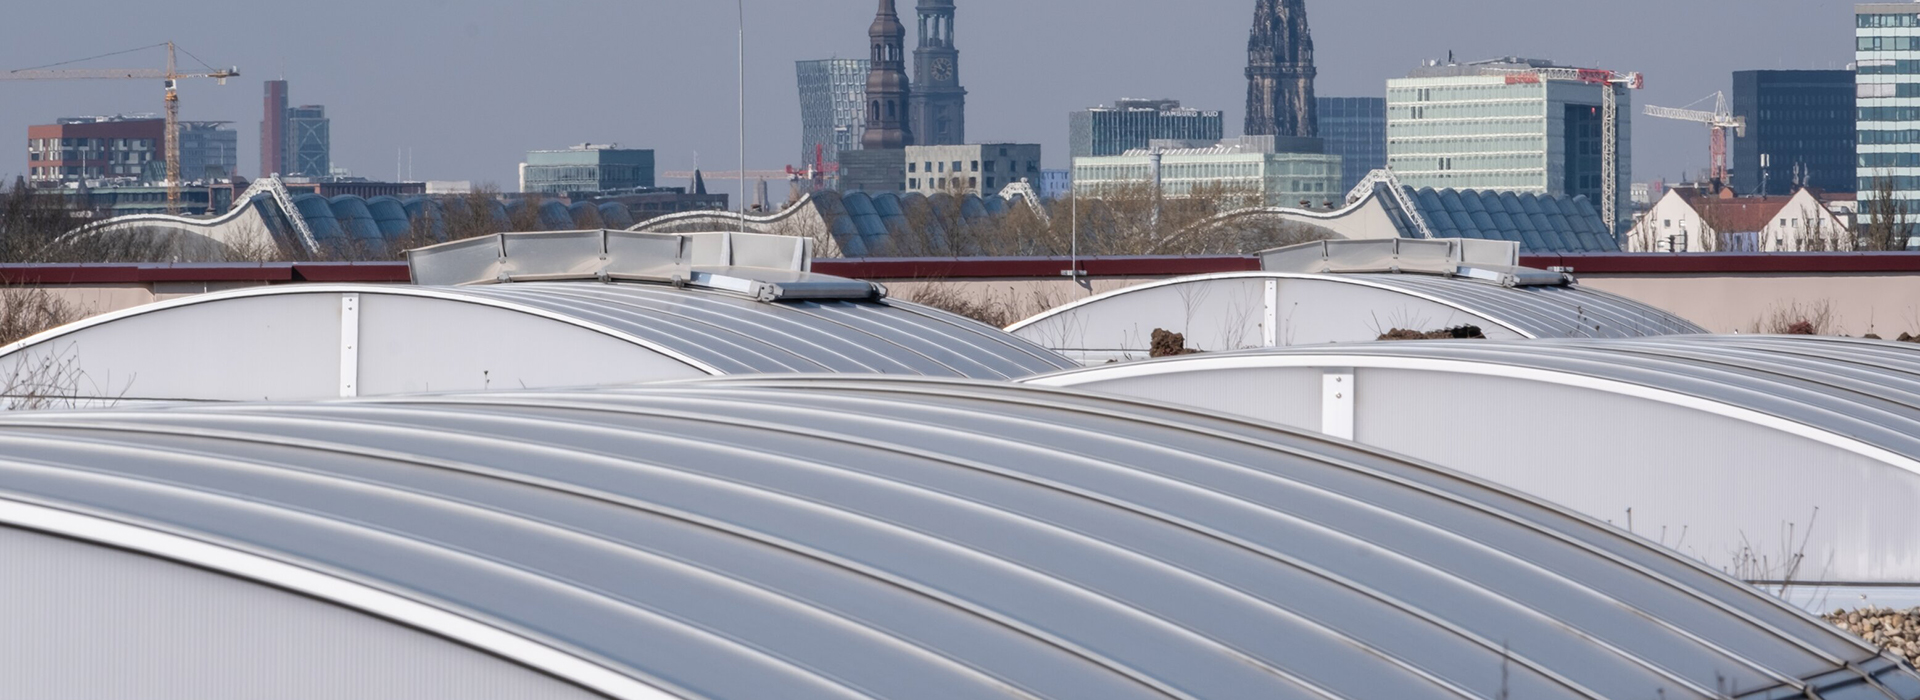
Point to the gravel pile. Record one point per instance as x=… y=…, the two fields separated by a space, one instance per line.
x=1894 y=630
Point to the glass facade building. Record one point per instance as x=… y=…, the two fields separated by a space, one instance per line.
x=1506 y=133
x=833 y=107
x=1887 y=109
x=1799 y=131
x=208 y=151
x=1131 y=124
x=309 y=142
x=1298 y=180
x=1355 y=128
x=587 y=169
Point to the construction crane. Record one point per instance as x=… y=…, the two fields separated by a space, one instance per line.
x=171 y=75
x=1719 y=121
x=1614 y=82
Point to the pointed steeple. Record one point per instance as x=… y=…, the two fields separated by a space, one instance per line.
x=699 y=182
x=1280 y=71
x=887 y=86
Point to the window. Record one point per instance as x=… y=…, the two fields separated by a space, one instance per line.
x=913 y=183
x=1666 y=223
x=976 y=167
x=990 y=165
x=973 y=182
x=989 y=182
x=956 y=166
x=910 y=167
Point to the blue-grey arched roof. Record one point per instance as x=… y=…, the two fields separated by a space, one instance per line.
x=828 y=539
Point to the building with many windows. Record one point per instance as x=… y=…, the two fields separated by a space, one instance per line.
x=1132 y=123
x=1508 y=125
x=983 y=168
x=1355 y=128
x=129 y=149
x=1887 y=110
x=309 y=142
x=209 y=151
x=587 y=168
x=1799 y=131
x=833 y=107
x=1250 y=168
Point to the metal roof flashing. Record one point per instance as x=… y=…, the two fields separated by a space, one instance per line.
x=1493 y=262
x=764 y=267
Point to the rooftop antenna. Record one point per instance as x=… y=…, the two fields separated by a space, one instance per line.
x=741 y=6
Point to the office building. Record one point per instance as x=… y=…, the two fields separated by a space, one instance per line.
x=833 y=107
x=1799 y=131
x=1054 y=184
x=1511 y=125
x=1887 y=154
x=1355 y=128
x=937 y=106
x=881 y=163
x=77 y=149
x=1250 y=169
x=587 y=168
x=273 y=130
x=1131 y=124
x=309 y=142
x=209 y=151
x=973 y=168
x=1280 y=71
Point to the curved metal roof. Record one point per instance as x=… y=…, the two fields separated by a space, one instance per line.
x=1861 y=395
x=839 y=538
x=714 y=332
x=1530 y=311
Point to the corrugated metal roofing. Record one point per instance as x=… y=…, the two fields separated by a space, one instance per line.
x=839 y=538
x=1531 y=311
x=715 y=332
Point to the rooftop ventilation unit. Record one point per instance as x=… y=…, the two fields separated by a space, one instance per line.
x=764 y=267
x=1494 y=262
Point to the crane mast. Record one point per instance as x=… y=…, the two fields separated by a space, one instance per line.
x=1719 y=122
x=171 y=76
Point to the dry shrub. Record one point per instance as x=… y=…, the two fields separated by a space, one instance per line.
x=1797 y=318
x=1454 y=333
x=28 y=311
x=995 y=310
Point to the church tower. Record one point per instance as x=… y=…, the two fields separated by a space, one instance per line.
x=939 y=106
x=887 y=85
x=1280 y=71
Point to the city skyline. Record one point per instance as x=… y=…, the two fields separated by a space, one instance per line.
x=456 y=88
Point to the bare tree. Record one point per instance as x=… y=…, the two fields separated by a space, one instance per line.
x=1888 y=222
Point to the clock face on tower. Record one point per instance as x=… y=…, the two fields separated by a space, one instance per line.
x=943 y=69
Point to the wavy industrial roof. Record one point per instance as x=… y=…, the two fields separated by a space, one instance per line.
x=287 y=342
x=828 y=538
x=1729 y=438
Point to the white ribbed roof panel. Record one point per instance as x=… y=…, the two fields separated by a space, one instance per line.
x=324 y=341
x=878 y=538
x=1243 y=310
x=1732 y=448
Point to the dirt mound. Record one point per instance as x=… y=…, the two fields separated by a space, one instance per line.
x=1170 y=344
x=1454 y=333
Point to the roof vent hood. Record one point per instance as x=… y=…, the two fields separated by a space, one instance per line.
x=765 y=267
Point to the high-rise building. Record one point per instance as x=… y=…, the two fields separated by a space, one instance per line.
x=1799 y=131
x=309 y=142
x=981 y=168
x=1887 y=154
x=209 y=151
x=1355 y=128
x=77 y=149
x=1512 y=125
x=938 y=105
x=587 y=169
x=1131 y=124
x=881 y=163
x=273 y=130
x=1280 y=71
x=833 y=107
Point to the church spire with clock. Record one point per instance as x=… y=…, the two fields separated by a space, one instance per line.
x=939 y=105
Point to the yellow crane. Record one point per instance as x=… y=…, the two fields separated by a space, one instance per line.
x=171 y=75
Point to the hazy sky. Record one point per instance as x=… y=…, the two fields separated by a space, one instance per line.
x=470 y=86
